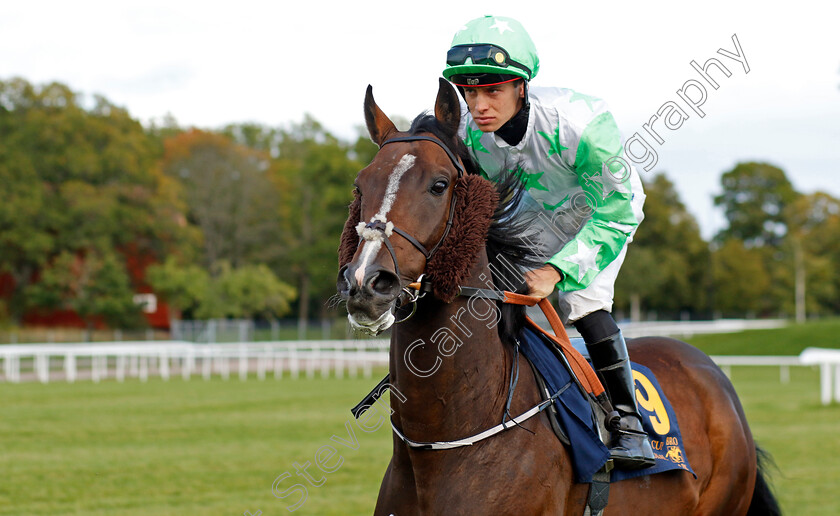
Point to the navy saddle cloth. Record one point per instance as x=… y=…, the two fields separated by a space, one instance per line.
x=588 y=452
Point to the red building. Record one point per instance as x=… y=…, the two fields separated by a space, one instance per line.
x=155 y=311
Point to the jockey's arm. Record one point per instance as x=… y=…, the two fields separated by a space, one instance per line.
x=613 y=219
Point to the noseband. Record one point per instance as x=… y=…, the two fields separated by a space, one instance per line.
x=385 y=229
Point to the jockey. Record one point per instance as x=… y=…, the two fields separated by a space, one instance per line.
x=586 y=198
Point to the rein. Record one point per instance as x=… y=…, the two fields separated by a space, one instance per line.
x=584 y=375
x=511 y=298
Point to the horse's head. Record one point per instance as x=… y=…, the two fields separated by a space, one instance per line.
x=416 y=212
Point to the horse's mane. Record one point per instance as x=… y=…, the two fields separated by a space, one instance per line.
x=508 y=253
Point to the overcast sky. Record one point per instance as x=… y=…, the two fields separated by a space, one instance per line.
x=211 y=63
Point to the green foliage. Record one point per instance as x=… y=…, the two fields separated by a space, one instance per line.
x=796 y=238
x=77 y=182
x=91 y=285
x=249 y=291
x=666 y=268
x=732 y=263
x=814 y=222
x=5 y=320
x=250 y=209
x=227 y=192
x=364 y=149
x=314 y=175
x=254 y=290
x=754 y=199
x=183 y=287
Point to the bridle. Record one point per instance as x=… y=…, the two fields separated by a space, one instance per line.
x=386 y=228
x=419 y=288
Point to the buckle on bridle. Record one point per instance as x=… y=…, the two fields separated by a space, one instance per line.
x=413 y=296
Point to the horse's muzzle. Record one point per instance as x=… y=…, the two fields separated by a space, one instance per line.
x=369 y=304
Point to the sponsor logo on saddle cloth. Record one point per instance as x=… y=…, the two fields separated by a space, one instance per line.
x=587 y=451
x=660 y=422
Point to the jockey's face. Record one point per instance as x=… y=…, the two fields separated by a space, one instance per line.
x=492 y=106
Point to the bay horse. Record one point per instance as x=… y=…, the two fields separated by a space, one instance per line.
x=420 y=208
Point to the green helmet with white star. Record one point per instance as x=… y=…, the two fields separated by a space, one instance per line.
x=491 y=50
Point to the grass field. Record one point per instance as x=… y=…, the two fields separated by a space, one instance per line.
x=196 y=448
x=789 y=340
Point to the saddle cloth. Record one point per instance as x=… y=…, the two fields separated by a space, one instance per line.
x=579 y=419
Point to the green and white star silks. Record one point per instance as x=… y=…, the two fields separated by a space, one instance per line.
x=584 y=214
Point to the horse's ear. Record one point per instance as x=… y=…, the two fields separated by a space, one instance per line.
x=378 y=124
x=447 y=107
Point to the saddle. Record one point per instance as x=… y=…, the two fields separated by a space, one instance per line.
x=578 y=419
x=576 y=403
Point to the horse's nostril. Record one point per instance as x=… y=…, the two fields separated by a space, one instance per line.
x=383 y=283
x=346 y=282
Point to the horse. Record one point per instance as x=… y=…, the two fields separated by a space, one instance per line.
x=420 y=209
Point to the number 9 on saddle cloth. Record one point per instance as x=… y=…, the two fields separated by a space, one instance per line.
x=579 y=420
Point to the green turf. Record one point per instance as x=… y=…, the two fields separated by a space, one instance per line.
x=789 y=340
x=167 y=448
x=801 y=434
x=175 y=448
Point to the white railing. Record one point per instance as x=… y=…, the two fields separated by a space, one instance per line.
x=783 y=362
x=829 y=362
x=140 y=359
x=165 y=358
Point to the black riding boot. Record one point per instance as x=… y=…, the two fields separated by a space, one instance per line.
x=629 y=444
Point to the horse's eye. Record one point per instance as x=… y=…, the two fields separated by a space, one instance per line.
x=439 y=187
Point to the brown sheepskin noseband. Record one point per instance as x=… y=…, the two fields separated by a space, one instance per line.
x=449 y=266
x=349 y=236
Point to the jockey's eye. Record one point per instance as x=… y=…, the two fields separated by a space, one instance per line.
x=439 y=187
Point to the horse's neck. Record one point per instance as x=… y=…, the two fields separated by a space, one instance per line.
x=451 y=366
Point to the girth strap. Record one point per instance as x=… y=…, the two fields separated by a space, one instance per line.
x=599 y=492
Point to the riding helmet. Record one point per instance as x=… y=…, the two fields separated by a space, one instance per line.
x=491 y=50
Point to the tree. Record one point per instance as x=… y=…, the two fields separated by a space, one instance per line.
x=666 y=268
x=314 y=174
x=76 y=181
x=92 y=285
x=754 y=199
x=640 y=279
x=228 y=194
x=364 y=149
x=183 y=287
x=251 y=290
x=813 y=242
x=741 y=279
x=26 y=237
x=254 y=290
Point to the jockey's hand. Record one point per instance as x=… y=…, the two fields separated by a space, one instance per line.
x=541 y=281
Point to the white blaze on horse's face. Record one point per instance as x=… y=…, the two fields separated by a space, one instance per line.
x=373 y=238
